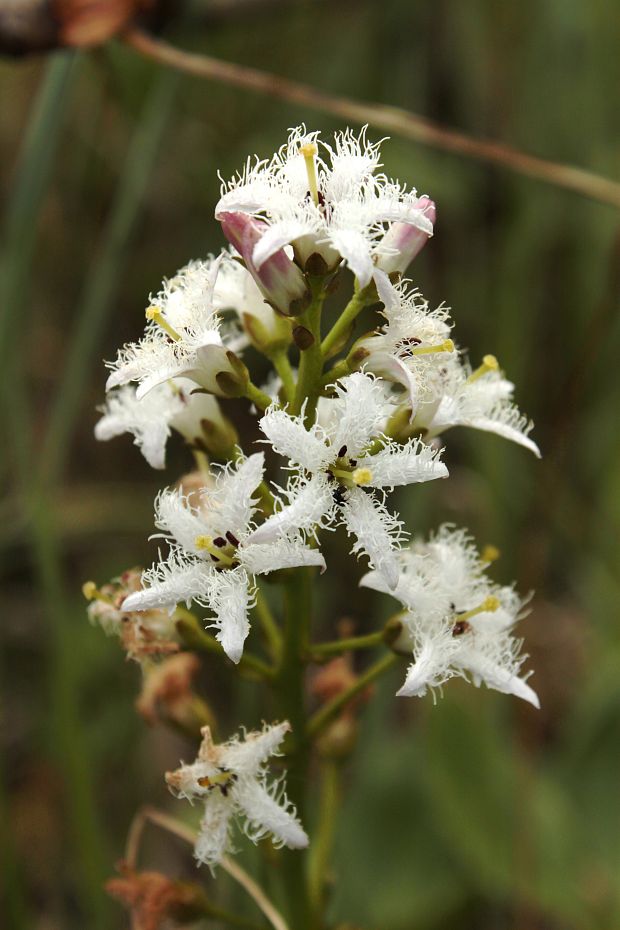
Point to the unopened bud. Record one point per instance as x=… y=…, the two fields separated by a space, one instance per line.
x=279 y=279
x=403 y=241
x=233 y=380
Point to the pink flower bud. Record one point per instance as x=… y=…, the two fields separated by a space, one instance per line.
x=280 y=280
x=403 y=241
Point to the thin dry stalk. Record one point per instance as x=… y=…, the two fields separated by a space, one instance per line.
x=393 y=119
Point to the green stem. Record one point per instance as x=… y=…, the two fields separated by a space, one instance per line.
x=269 y=625
x=290 y=688
x=340 y=329
x=339 y=370
x=282 y=365
x=310 y=359
x=338 y=646
x=330 y=711
x=258 y=397
x=324 y=837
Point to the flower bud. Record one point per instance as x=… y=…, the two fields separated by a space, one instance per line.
x=153 y=898
x=280 y=281
x=402 y=241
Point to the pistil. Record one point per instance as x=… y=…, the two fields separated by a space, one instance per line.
x=155 y=314
x=489 y=605
x=309 y=151
x=208 y=544
x=489 y=363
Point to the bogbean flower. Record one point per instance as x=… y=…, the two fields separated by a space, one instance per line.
x=329 y=207
x=231 y=780
x=338 y=477
x=456 y=620
x=411 y=348
x=480 y=399
x=183 y=338
x=215 y=554
x=151 y=419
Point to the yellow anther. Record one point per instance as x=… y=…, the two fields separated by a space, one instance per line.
x=204 y=542
x=89 y=590
x=155 y=314
x=309 y=152
x=446 y=346
x=490 y=554
x=489 y=363
x=489 y=604
x=362 y=476
x=92 y=593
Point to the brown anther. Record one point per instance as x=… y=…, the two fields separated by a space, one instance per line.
x=219 y=541
x=232 y=539
x=460 y=627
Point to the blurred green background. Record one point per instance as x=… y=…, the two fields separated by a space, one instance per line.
x=477 y=813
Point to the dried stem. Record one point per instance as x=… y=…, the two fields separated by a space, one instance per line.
x=393 y=119
x=163 y=820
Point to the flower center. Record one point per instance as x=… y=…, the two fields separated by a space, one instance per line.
x=222 y=780
x=489 y=605
x=221 y=549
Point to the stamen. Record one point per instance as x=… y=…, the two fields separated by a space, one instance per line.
x=92 y=593
x=490 y=554
x=446 y=346
x=221 y=780
x=208 y=544
x=489 y=604
x=155 y=314
x=489 y=363
x=362 y=476
x=309 y=151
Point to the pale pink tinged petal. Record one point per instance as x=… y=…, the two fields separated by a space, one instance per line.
x=275 y=238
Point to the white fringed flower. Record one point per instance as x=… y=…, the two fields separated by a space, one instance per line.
x=231 y=780
x=457 y=620
x=411 y=348
x=329 y=207
x=481 y=399
x=215 y=553
x=151 y=419
x=183 y=336
x=334 y=464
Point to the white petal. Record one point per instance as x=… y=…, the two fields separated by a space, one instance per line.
x=290 y=438
x=262 y=558
x=355 y=249
x=213 y=837
x=170 y=583
x=377 y=532
x=229 y=598
x=310 y=505
x=247 y=756
x=430 y=670
x=269 y=815
x=232 y=500
x=409 y=464
x=357 y=414
x=175 y=516
x=490 y=425
x=386 y=290
x=276 y=237
x=496 y=676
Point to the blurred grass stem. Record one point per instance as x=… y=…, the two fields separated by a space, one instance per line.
x=393 y=119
